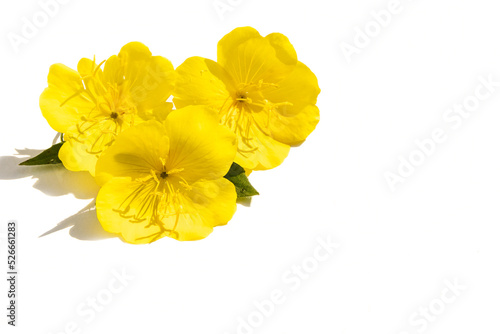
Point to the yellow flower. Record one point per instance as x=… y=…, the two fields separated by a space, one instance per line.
x=259 y=90
x=92 y=106
x=167 y=179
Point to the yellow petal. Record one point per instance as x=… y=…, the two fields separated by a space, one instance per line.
x=113 y=70
x=90 y=72
x=199 y=147
x=254 y=63
x=75 y=157
x=135 y=51
x=291 y=130
x=126 y=207
x=149 y=79
x=202 y=81
x=131 y=209
x=135 y=152
x=214 y=200
x=284 y=49
x=258 y=151
x=62 y=101
x=290 y=114
x=228 y=43
x=300 y=88
x=88 y=67
x=161 y=112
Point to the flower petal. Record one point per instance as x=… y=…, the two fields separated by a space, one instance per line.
x=199 y=147
x=131 y=209
x=284 y=49
x=258 y=151
x=202 y=81
x=228 y=43
x=62 y=101
x=214 y=200
x=254 y=63
x=290 y=114
x=161 y=112
x=75 y=157
x=127 y=207
x=300 y=88
x=149 y=79
x=291 y=130
x=113 y=70
x=135 y=152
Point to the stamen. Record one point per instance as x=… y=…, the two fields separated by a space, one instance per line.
x=175 y=171
x=72 y=96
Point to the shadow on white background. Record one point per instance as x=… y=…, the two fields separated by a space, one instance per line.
x=55 y=180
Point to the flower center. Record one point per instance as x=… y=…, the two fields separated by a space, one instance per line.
x=157 y=199
x=242 y=97
x=113 y=112
x=247 y=111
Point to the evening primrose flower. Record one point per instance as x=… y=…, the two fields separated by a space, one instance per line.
x=259 y=90
x=167 y=179
x=91 y=106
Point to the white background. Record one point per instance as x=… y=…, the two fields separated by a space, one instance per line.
x=397 y=248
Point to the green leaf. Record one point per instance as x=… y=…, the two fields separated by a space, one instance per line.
x=237 y=176
x=243 y=186
x=47 y=157
x=234 y=170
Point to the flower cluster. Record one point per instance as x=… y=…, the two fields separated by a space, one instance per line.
x=176 y=169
